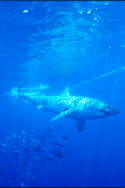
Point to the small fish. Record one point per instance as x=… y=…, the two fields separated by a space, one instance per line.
x=57 y=153
x=58 y=144
x=50 y=158
x=65 y=137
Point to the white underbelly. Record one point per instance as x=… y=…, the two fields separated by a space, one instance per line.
x=87 y=114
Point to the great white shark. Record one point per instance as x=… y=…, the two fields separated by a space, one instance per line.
x=79 y=108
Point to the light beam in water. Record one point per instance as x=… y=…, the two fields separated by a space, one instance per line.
x=98 y=77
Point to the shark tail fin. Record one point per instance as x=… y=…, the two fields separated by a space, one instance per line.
x=20 y=94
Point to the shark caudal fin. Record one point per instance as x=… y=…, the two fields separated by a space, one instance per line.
x=19 y=94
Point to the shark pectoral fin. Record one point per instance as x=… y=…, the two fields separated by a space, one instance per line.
x=62 y=114
x=81 y=124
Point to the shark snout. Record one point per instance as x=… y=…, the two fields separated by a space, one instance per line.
x=109 y=110
x=106 y=109
x=115 y=110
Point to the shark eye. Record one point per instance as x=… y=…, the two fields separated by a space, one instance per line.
x=104 y=112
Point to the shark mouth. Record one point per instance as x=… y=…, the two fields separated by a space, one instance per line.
x=110 y=111
x=104 y=112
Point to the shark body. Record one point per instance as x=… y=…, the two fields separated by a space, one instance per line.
x=78 y=108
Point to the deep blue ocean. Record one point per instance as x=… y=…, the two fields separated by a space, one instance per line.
x=56 y=44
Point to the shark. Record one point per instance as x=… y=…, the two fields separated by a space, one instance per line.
x=78 y=108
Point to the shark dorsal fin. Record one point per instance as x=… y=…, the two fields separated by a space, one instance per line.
x=62 y=114
x=66 y=91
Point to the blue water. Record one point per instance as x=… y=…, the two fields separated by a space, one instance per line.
x=61 y=44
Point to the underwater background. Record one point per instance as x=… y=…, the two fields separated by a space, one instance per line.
x=58 y=44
